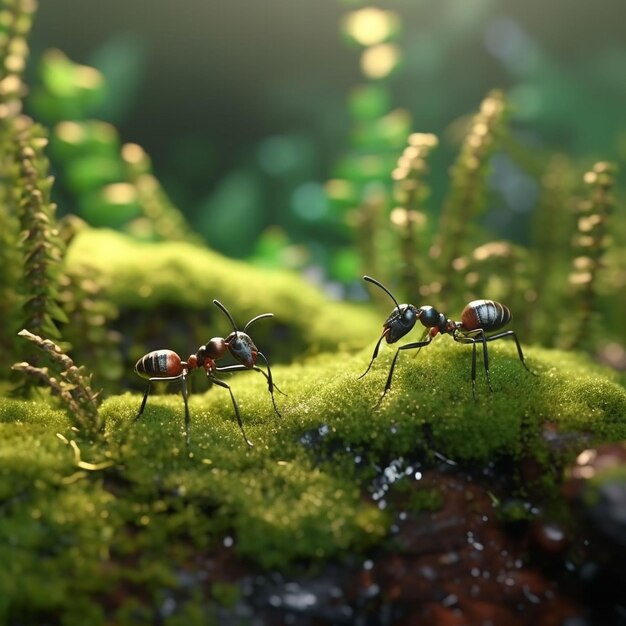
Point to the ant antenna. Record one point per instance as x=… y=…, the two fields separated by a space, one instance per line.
x=369 y=279
x=225 y=310
x=258 y=317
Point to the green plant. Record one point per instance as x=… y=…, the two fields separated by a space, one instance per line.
x=15 y=23
x=27 y=214
x=42 y=247
x=467 y=194
x=37 y=291
x=68 y=382
x=409 y=217
x=591 y=244
x=109 y=184
x=554 y=225
x=361 y=189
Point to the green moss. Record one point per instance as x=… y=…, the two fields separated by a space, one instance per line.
x=296 y=496
x=434 y=389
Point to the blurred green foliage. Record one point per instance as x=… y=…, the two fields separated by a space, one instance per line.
x=229 y=102
x=111 y=184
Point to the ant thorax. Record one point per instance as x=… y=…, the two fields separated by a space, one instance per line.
x=437 y=322
x=215 y=349
x=451 y=326
x=445 y=326
x=431 y=318
x=201 y=359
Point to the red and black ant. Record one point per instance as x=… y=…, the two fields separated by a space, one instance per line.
x=166 y=365
x=477 y=318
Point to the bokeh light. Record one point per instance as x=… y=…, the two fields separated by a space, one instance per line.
x=370 y=26
x=380 y=60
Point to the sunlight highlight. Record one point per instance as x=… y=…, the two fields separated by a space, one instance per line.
x=379 y=61
x=370 y=26
x=120 y=193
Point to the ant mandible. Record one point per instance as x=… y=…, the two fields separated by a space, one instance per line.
x=477 y=318
x=166 y=365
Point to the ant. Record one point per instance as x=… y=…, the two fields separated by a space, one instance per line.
x=477 y=318
x=166 y=365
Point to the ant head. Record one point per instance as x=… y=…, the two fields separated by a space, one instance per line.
x=242 y=348
x=402 y=318
x=238 y=343
x=400 y=322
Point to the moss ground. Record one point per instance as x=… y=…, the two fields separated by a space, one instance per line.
x=82 y=521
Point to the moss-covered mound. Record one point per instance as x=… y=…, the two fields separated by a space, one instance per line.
x=96 y=531
x=160 y=287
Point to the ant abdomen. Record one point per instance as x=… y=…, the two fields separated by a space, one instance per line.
x=160 y=363
x=485 y=314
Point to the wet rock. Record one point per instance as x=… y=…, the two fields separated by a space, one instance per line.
x=549 y=536
x=595 y=490
x=464 y=549
x=459 y=565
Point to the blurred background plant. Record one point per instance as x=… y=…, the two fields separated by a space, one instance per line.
x=241 y=110
x=342 y=138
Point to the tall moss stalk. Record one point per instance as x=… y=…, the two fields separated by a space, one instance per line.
x=591 y=244
x=160 y=217
x=467 y=194
x=16 y=18
x=409 y=217
x=43 y=249
x=554 y=226
x=67 y=381
x=361 y=186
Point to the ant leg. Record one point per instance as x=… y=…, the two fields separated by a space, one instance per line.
x=473 y=377
x=162 y=379
x=242 y=368
x=389 y=376
x=486 y=359
x=479 y=336
x=511 y=333
x=408 y=346
x=148 y=388
x=183 y=386
x=474 y=370
x=376 y=348
x=145 y=398
x=221 y=383
x=270 y=382
x=424 y=335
